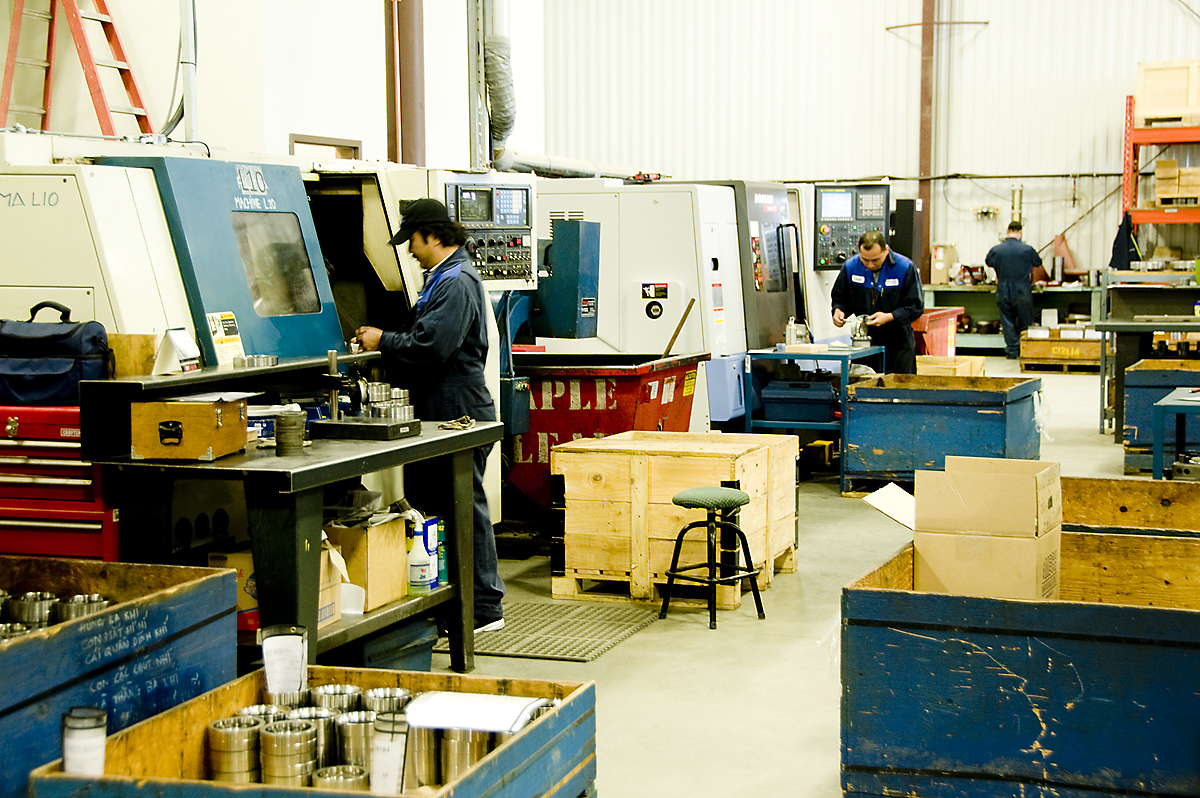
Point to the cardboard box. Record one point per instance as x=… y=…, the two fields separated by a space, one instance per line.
x=375 y=558
x=990 y=496
x=1166 y=169
x=183 y=430
x=1167 y=253
x=944 y=256
x=329 y=601
x=990 y=566
x=957 y=366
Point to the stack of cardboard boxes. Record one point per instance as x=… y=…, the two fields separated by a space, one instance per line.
x=989 y=527
x=1175 y=185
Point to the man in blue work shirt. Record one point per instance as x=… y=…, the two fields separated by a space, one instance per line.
x=440 y=354
x=885 y=287
x=1013 y=261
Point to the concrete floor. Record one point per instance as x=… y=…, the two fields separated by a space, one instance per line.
x=752 y=708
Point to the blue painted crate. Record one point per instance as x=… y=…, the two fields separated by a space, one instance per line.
x=1093 y=694
x=168 y=635
x=1146 y=382
x=553 y=757
x=902 y=423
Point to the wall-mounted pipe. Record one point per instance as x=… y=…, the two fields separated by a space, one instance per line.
x=497 y=71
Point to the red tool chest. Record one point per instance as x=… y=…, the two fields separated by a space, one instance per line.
x=51 y=500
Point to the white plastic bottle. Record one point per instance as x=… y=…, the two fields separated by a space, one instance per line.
x=421 y=568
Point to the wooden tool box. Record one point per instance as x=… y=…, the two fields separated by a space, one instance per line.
x=186 y=430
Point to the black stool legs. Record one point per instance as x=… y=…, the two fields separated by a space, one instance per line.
x=712 y=580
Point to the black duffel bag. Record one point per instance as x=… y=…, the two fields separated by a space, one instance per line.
x=41 y=363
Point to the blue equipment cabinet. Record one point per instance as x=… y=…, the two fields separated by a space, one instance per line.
x=568 y=283
x=246 y=245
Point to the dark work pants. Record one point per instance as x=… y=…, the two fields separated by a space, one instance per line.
x=1016 y=314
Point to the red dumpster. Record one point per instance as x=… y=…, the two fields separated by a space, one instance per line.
x=578 y=396
x=934 y=331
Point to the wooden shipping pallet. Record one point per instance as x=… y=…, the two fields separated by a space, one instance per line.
x=1179 y=201
x=1180 y=120
x=616 y=587
x=1065 y=366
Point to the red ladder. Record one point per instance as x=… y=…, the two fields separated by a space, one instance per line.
x=91 y=65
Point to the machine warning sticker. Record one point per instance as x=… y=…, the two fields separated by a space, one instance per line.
x=587 y=307
x=653 y=388
x=654 y=290
x=226 y=339
x=668 y=390
x=718 y=295
x=689 y=383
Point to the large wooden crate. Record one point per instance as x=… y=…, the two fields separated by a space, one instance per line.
x=1092 y=694
x=168 y=634
x=1056 y=347
x=1168 y=94
x=554 y=756
x=621 y=526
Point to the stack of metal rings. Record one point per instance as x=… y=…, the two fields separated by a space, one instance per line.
x=386 y=699
x=341 y=777
x=322 y=718
x=288 y=751
x=248 y=361
x=289 y=700
x=289 y=432
x=78 y=605
x=31 y=608
x=356 y=738
x=462 y=748
x=11 y=631
x=269 y=713
x=338 y=697
x=233 y=749
x=378 y=392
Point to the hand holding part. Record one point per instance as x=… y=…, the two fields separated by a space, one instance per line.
x=879 y=318
x=839 y=317
x=368 y=337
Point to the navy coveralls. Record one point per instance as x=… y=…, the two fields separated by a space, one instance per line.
x=895 y=289
x=439 y=356
x=1013 y=261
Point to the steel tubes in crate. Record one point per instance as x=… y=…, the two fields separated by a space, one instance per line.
x=233 y=748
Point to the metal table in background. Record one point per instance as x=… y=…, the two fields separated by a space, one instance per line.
x=842 y=356
x=1133 y=342
x=285 y=498
x=1180 y=403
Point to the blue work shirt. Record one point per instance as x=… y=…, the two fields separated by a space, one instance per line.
x=1013 y=261
x=440 y=354
x=895 y=289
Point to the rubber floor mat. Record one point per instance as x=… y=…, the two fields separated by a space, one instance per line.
x=559 y=631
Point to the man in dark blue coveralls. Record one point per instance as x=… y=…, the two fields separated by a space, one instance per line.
x=439 y=354
x=1014 y=261
x=885 y=287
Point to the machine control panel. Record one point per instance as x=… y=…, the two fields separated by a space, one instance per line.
x=499 y=228
x=843 y=213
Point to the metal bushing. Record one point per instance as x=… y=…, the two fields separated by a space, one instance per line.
x=340 y=777
x=284 y=766
x=288 y=781
x=289 y=700
x=287 y=737
x=268 y=712
x=322 y=718
x=78 y=605
x=338 y=697
x=31 y=608
x=356 y=737
x=387 y=699
x=238 y=733
x=243 y=777
x=232 y=761
x=11 y=631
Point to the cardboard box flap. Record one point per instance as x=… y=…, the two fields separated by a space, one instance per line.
x=996 y=496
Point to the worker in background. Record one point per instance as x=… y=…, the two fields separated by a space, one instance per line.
x=440 y=353
x=1014 y=261
x=884 y=287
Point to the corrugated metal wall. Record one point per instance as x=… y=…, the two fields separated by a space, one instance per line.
x=800 y=90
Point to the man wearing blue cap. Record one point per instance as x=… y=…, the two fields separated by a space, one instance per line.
x=442 y=350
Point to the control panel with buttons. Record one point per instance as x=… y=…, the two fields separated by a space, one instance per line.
x=843 y=214
x=497 y=219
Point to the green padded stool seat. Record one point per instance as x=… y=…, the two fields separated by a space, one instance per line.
x=714 y=501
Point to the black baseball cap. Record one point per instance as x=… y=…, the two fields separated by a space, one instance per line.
x=417 y=214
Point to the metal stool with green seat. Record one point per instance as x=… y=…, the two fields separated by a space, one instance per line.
x=713 y=500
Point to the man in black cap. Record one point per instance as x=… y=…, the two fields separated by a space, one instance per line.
x=1014 y=261
x=440 y=354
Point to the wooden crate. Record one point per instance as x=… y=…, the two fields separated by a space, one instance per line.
x=621 y=526
x=955 y=366
x=168 y=635
x=554 y=756
x=1058 y=348
x=1092 y=694
x=1168 y=94
x=1131 y=506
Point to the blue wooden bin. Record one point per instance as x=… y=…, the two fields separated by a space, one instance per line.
x=164 y=757
x=901 y=423
x=1146 y=382
x=168 y=634
x=1097 y=693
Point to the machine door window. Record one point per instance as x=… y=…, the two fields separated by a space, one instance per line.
x=278 y=271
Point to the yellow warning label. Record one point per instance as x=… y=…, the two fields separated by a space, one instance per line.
x=689 y=383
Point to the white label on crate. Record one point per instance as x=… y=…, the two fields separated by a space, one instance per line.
x=1063 y=332
x=1037 y=332
x=653 y=390
x=668 y=390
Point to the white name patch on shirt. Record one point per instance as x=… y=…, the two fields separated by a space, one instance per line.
x=857 y=278
x=893 y=281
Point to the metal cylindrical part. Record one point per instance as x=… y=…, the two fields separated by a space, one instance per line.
x=421 y=759
x=232 y=761
x=288 y=737
x=355 y=732
x=289 y=700
x=287 y=766
x=288 y=781
x=338 y=697
x=78 y=605
x=9 y=631
x=1017 y=192
x=240 y=777
x=460 y=750
x=386 y=699
x=31 y=608
x=322 y=718
x=238 y=733
x=289 y=432
x=268 y=712
x=341 y=777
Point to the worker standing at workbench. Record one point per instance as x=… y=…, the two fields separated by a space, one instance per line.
x=884 y=287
